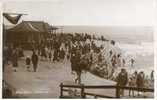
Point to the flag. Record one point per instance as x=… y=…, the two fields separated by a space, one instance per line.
x=11 y=19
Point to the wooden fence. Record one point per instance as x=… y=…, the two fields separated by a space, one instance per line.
x=83 y=94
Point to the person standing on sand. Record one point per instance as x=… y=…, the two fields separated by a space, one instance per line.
x=122 y=80
x=123 y=62
x=118 y=60
x=152 y=75
x=35 y=61
x=113 y=61
x=140 y=81
x=132 y=62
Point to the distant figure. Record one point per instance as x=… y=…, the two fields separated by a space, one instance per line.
x=7 y=53
x=123 y=61
x=146 y=81
x=35 y=61
x=113 y=61
x=43 y=53
x=135 y=75
x=50 y=55
x=21 y=54
x=152 y=75
x=62 y=54
x=140 y=81
x=132 y=62
x=122 y=80
x=100 y=57
x=55 y=55
x=78 y=68
x=28 y=63
x=46 y=53
x=73 y=62
x=112 y=42
x=118 y=60
x=110 y=53
x=131 y=83
x=15 y=60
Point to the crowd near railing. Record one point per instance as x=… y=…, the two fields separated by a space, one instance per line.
x=84 y=94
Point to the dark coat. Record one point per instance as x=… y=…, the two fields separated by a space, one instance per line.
x=122 y=79
x=55 y=54
x=62 y=54
x=15 y=59
x=140 y=81
x=34 y=59
x=75 y=61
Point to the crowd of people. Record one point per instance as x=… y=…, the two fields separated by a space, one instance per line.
x=136 y=79
x=13 y=55
x=85 y=52
x=59 y=47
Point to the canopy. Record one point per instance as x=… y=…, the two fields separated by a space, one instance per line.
x=32 y=26
x=28 y=32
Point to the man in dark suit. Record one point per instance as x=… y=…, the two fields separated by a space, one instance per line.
x=35 y=61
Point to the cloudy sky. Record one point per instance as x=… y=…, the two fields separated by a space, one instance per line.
x=86 y=12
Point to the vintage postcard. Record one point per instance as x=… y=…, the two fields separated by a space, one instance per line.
x=78 y=49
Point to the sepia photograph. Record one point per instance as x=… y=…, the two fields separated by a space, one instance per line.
x=78 y=49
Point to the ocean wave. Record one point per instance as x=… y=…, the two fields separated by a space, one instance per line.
x=142 y=49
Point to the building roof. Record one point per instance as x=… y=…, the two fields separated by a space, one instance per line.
x=32 y=26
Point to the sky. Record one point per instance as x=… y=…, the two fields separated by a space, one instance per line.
x=86 y=12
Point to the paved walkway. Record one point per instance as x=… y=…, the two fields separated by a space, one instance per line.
x=45 y=82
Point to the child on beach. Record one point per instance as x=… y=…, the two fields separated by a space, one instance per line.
x=28 y=63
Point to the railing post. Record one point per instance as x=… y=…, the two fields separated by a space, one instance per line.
x=82 y=91
x=61 y=90
x=117 y=91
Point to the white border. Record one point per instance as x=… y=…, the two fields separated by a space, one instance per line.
x=1 y=21
x=155 y=44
